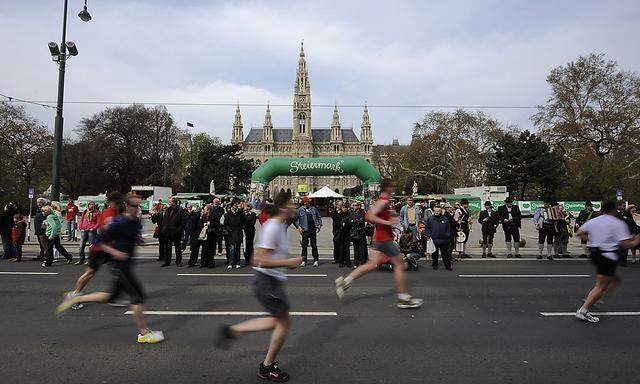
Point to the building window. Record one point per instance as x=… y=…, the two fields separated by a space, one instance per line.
x=301 y=123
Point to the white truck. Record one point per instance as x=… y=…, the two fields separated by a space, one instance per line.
x=151 y=194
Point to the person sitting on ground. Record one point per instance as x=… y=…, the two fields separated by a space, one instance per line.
x=408 y=243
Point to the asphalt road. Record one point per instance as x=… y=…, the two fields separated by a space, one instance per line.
x=470 y=330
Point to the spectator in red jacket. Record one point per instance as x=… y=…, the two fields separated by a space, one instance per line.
x=18 y=234
x=88 y=227
x=71 y=212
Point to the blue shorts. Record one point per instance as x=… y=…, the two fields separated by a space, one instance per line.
x=389 y=248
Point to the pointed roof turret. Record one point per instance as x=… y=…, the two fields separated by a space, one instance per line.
x=336 y=131
x=365 y=129
x=237 y=135
x=238 y=118
x=267 y=117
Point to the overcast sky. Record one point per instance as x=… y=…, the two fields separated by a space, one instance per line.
x=379 y=52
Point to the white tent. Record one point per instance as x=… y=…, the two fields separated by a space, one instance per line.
x=325 y=192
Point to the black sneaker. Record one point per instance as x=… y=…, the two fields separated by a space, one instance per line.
x=583 y=256
x=491 y=255
x=484 y=255
x=272 y=373
x=539 y=257
x=518 y=256
x=509 y=256
x=223 y=340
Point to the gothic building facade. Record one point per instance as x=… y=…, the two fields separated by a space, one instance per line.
x=303 y=140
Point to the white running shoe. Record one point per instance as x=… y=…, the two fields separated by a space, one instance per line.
x=340 y=287
x=238 y=266
x=151 y=337
x=586 y=316
x=303 y=264
x=315 y=264
x=229 y=266
x=410 y=303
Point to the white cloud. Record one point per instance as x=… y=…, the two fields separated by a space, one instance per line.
x=384 y=53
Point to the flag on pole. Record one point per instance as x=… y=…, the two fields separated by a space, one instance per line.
x=189 y=124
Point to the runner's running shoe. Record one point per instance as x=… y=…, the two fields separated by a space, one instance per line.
x=410 y=303
x=586 y=316
x=66 y=305
x=341 y=286
x=272 y=373
x=151 y=337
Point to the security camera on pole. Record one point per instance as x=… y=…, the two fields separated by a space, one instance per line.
x=59 y=54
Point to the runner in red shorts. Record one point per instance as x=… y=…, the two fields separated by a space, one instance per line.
x=384 y=248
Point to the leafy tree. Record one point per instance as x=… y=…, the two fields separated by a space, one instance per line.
x=25 y=153
x=134 y=145
x=593 y=118
x=452 y=149
x=210 y=160
x=526 y=165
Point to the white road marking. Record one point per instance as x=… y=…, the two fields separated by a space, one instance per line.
x=28 y=273
x=248 y=274
x=595 y=313
x=229 y=313
x=521 y=276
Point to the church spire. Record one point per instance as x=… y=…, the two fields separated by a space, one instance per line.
x=302 y=101
x=365 y=130
x=267 y=128
x=237 y=136
x=336 y=131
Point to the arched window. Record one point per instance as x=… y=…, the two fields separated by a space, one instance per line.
x=301 y=123
x=289 y=190
x=337 y=190
x=281 y=189
x=258 y=163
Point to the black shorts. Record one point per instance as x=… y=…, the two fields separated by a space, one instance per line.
x=125 y=281
x=604 y=265
x=270 y=293
x=96 y=259
x=389 y=248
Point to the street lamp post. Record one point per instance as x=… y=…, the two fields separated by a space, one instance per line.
x=59 y=121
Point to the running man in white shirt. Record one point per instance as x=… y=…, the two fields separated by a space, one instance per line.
x=270 y=259
x=606 y=235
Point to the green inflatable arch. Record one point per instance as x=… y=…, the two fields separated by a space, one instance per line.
x=317 y=166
